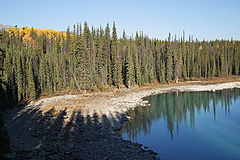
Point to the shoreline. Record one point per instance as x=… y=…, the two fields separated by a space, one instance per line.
x=101 y=115
x=109 y=102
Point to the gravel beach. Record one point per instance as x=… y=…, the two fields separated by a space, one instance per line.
x=82 y=126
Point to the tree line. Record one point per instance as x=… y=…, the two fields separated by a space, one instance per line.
x=35 y=61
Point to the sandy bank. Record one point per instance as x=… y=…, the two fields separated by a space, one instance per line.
x=114 y=104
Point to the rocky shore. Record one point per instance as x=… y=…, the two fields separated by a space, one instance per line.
x=82 y=126
x=47 y=136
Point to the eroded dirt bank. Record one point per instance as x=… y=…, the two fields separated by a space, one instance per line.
x=81 y=126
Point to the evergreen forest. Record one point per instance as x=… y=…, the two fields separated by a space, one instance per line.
x=35 y=61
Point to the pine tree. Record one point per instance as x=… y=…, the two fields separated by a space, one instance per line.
x=151 y=68
x=7 y=76
x=68 y=41
x=99 y=60
x=136 y=66
x=145 y=77
x=184 y=57
x=157 y=61
x=116 y=69
x=222 y=57
x=162 y=71
x=87 y=40
x=199 y=62
x=30 y=79
x=129 y=67
x=169 y=60
x=176 y=61
x=58 y=77
x=80 y=61
x=19 y=78
x=236 y=59
x=213 y=61
x=108 y=55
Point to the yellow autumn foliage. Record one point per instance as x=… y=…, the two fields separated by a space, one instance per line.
x=27 y=40
x=25 y=34
x=15 y=30
x=10 y=31
x=24 y=31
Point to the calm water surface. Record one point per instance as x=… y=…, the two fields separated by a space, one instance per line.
x=188 y=126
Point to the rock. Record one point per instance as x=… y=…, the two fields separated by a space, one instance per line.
x=10 y=156
x=53 y=157
x=117 y=127
x=48 y=149
x=155 y=153
x=67 y=153
x=144 y=103
x=105 y=140
x=152 y=152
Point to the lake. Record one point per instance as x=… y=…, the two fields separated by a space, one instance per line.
x=188 y=125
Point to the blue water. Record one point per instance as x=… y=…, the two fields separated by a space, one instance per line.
x=188 y=126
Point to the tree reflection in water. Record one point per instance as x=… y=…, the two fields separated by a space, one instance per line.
x=176 y=109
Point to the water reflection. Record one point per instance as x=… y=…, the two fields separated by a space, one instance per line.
x=177 y=109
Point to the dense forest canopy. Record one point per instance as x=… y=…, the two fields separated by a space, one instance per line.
x=34 y=61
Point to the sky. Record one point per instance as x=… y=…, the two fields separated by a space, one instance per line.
x=204 y=19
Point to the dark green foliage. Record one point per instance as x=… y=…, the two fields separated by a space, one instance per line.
x=129 y=66
x=115 y=58
x=169 y=60
x=19 y=78
x=107 y=53
x=84 y=59
x=162 y=71
x=30 y=81
x=137 y=73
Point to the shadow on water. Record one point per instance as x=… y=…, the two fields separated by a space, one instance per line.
x=57 y=135
x=176 y=109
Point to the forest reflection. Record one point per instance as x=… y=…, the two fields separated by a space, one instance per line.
x=177 y=109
